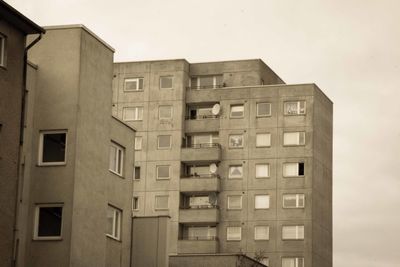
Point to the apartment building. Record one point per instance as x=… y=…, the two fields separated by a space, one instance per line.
x=75 y=199
x=238 y=160
x=14 y=27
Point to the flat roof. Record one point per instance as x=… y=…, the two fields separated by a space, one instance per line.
x=14 y=17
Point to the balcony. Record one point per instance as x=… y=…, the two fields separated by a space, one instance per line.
x=199 y=214
x=200 y=123
x=207 y=152
x=200 y=183
x=198 y=245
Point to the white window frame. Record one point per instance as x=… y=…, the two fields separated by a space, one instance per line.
x=119 y=158
x=262 y=145
x=298 y=197
x=286 y=164
x=230 y=176
x=268 y=168
x=299 y=110
x=301 y=136
x=231 y=197
x=258 y=115
x=255 y=232
x=233 y=116
x=117 y=222
x=298 y=261
x=268 y=201
x=135 y=203
x=169 y=77
x=158 y=142
x=138 y=116
x=169 y=172
x=138 y=144
x=159 y=112
x=3 y=50
x=36 y=221
x=228 y=232
x=137 y=80
x=298 y=235
x=41 y=143
x=231 y=136
x=155 y=202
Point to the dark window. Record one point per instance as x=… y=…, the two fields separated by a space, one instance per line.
x=53 y=149
x=301 y=168
x=49 y=223
x=137 y=173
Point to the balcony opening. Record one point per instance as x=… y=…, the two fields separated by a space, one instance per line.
x=203 y=111
x=199 y=201
x=199 y=170
x=206 y=82
x=203 y=140
x=197 y=232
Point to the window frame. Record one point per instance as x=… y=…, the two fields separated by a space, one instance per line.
x=41 y=143
x=260 y=115
x=298 y=111
x=36 y=221
x=298 y=138
x=235 y=166
x=297 y=167
x=262 y=177
x=163 y=178
x=137 y=79
x=232 y=196
x=136 y=114
x=165 y=118
x=263 y=146
x=155 y=203
x=298 y=196
x=172 y=81
x=138 y=148
x=235 y=147
x=135 y=171
x=118 y=158
x=117 y=223
x=262 y=195
x=297 y=237
x=164 y=148
x=230 y=238
x=230 y=111
x=255 y=233
x=3 y=50
x=135 y=203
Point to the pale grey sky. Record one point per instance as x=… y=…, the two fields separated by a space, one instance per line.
x=349 y=48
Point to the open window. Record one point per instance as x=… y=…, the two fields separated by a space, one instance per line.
x=48 y=222
x=52 y=148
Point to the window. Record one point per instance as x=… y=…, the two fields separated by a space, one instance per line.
x=114 y=217
x=163 y=172
x=292 y=232
x=293 y=169
x=236 y=141
x=237 y=111
x=233 y=233
x=164 y=142
x=262 y=170
x=48 y=221
x=132 y=114
x=116 y=158
x=138 y=143
x=294 y=138
x=261 y=202
x=234 y=202
x=202 y=232
x=136 y=173
x=205 y=82
x=263 y=140
x=295 y=108
x=133 y=84
x=261 y=232
x=135 y=203
x=165 y=112
x=52 y=148
x=293 y=200
x=263 y=109
x=235 y=172
x=3 y=50
x=293 y=262
x=161 y=202
x=166 y=82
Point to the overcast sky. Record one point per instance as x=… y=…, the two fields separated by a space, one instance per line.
x=349 y=48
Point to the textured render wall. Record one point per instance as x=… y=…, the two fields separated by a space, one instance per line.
x=10 y=112
x=322 y=181
x=55 y=100
x=149 y=157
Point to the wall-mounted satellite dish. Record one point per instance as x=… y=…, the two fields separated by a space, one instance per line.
x=216 y=109
x=213 y=168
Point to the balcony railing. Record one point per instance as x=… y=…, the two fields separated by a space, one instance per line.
x=205 y=206
x=203 y=145
x=201 y=117
x=202 y=175
x=199 y=238
x=195 y=87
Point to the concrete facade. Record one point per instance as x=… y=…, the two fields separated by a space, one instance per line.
x=229 y=84
x=14 y=28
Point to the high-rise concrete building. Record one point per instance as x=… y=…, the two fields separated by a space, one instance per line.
x=240 y=161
